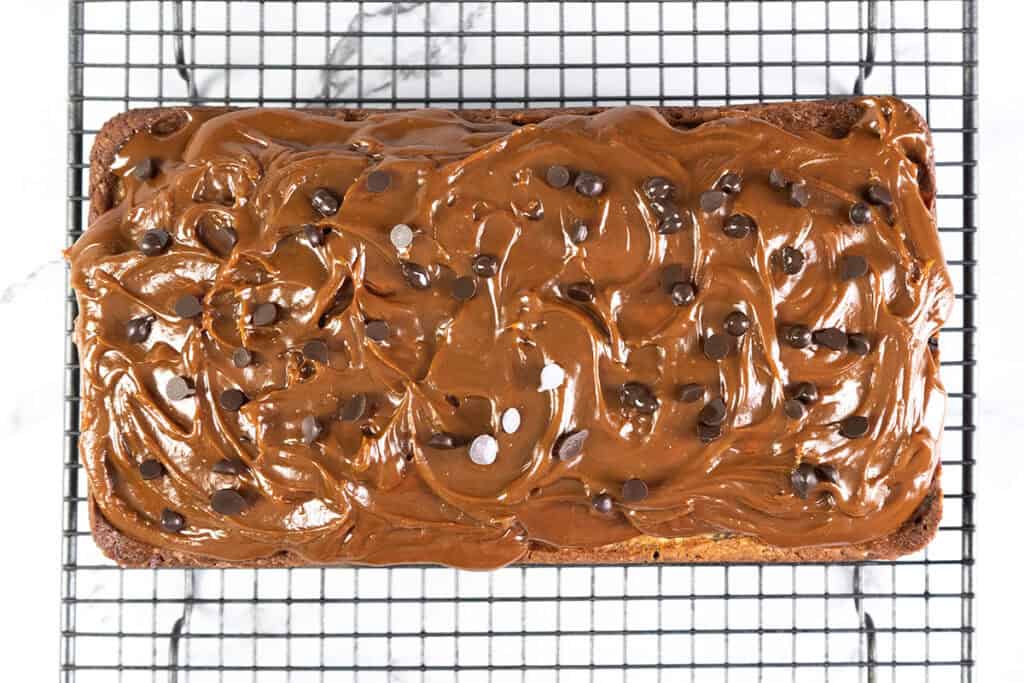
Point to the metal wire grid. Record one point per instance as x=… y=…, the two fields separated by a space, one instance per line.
x=909 y=620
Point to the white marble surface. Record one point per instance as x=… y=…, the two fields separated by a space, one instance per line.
x=32 y=292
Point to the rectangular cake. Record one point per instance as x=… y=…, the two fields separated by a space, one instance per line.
x=490 y=337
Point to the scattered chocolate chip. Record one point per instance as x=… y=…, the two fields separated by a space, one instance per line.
x=311 y=429
x=316 y=349
x=229 y=466
x=483 y=450
x=860 y=213
x=878 y=195
x=658 y=188
x=826 y=473
x=791 y=260
x=738 y=225
x=730 y=183
x=264 y=314
x=314 y=234
x=464 y=288
x=377 y=330
x=325 y=202
x=797 y=336
x=683 y=293
x=582 y=292
x=579 y=232
x=154 y=242
x=854 y=426
x=852 y=266
x=485 y=265
x=933 y=343
x=241 y=358
x=603 y=503
x=220 y=239
x=151 y=469
x=830 y=337
x=533 y=210
x=137 y=330
x=858 y=343
x=227 y=502
x=671 y=224
x=634 y=490
x=188 y=306
x=713 y=412
x=146 y=169
x=416 y=275
x=558 y=176
x=171 y=521
x=689 y=393
x=638 y=397
x=589 y=184
x=442 y=441
x=401 y=236
x=708 y=433
x=777 y=179
x=378 y=181
x=232 y=399
x=354 y=408
x=737 y=323
x=663 y=207
x=803 y=479
x=179 y=388
x=570 y=444
x=805 y=392
x=793 y=408
x=716 y=346
x=799 y=195
x=712 y=201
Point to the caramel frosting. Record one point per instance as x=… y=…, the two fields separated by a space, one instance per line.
x=420 y=338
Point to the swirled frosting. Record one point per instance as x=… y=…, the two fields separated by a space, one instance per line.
x=391 y=437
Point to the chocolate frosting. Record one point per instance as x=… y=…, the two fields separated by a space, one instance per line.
x=332 y=448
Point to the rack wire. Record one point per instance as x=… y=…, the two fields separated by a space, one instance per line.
x=907 y=620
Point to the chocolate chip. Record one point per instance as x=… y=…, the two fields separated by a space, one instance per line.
x=791 y=260
x=558 y=176
x=151 y=469
x=179 y=388
x=264 y=314
x=146 y=169
x=378 y=181
x=220 y=239
x=582 y=292
x=579 y=232
x=171 y=521
x=634 y=490
x=638 y=397
x=860 y=213
x=803 y=479
x=464 y=288
x=683 y=294
x=799 y=195
x=777 y=179
x=716 y=347
x=416 y=275
x=712 y=201
x=831 y=337
x=671 y=224
x=154 y=242
x=316 y=349
x=878 y=195
x=737 y=323
x=797 y=336
x=852 y=266
x=442 y=441
x=738 y=225
x=713 y=412
x=805 y=392
x=730 y=183
x=314 y=234
x=325 y=202
x=485 y=265
x=241 y=358
x=232 y=399
x=663 y=207
x=933 y=343
x=858 y=344
x=793 y=408
x=137 y=330
x=658 y=188
x=188 y=306
x=589 y=184
x=229 y=466
x=311 y=429
x=603 y=503
x=854 y=426
x=354 y=408
x=227 y=502
x=689 y=393
x=377 y=330
x=570 y=444
x=826 y=473
x=708 y=433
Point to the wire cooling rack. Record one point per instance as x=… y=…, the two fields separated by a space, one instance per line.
x=909 y=620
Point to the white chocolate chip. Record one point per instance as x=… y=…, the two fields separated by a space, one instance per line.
x=483 y=450
x=401 y=236
x=551 y=377
x=510 y=421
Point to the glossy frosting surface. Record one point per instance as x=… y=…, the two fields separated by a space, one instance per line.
x=377 y=488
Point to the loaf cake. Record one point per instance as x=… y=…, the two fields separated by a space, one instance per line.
x=489 y=337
